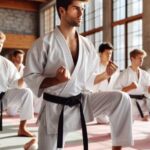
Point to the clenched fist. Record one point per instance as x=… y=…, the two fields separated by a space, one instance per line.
x=111 y=68
x=62 y=74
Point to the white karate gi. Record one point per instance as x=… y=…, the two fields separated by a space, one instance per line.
x=16 y=97
x=36 y=100
x=43 y=59
x=13 y=110
x=126 y=78
x=105 y=86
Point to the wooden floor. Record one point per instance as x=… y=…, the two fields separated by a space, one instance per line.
x=99 y=136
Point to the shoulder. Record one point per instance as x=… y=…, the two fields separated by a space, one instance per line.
x=86 y=40
x=87 y=44
x=124 y=73
x=44 y=39
x=144 y=72
x=7 y=63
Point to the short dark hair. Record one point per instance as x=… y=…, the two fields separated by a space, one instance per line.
x=136 y=52
x=104 y=46
x=64 y=4
x=17 y=51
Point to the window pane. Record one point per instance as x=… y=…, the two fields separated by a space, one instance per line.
x=118 y=9
x=135 y=7
x=91 y=38
x=48 y=19
x=98 y=39
x=134 y=36
x=81 y=28
x=89 y=12
x=57 y=20
x=119 y=46
x=98 y=13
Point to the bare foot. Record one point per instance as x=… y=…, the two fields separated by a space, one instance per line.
x=31 y=145
x=25 y=133
x=146 y=118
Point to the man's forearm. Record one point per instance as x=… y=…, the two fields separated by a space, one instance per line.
x=101 y=77
x=126 y=89
x=48 y=82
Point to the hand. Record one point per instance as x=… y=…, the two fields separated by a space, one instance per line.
x=62 y=74
x=111 y=68
x=133 y=85
x=21 y=82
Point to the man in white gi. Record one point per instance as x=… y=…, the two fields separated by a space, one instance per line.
x=136 y=82
x=63 y=66
x=17 y=59
x=105 y=53
x=15 y=96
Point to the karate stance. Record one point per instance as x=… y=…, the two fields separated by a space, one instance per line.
x=63 y=66
x=17 y=59
x=15 y=95
x=105 y=53
x=136 y=82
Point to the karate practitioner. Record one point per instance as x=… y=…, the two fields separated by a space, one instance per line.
x=63 y=66
x=15 y=95
x=136 y=81
x=105 y=54
x=17 y=59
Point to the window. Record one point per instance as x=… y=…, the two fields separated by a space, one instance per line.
x=98 y=39
x=93 y=22
x=119 y=46
x=98 y=13
x=89 y=12
x=118 y=9
x=127 y=29
x=134 y=36
x=134 y=7
x=57 y=19
x=48 y=19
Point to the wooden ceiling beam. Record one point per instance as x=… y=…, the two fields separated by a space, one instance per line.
x=20 y=5
x=42 y=1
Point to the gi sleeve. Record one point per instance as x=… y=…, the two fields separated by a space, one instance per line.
x=35 y=63
x=121 y=81
x=93 y=69
x=13 y=76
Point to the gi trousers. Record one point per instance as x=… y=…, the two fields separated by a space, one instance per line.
x=115 y=104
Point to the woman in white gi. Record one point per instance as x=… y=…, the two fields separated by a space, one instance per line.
x=105 y=53
x=15 y=96
x=65 y=64
x=136 y=81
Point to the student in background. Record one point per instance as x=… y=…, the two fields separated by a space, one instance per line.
x=14 y=94
x=105 y=54
x=136 y=82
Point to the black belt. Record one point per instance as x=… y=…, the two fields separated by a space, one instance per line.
x=1 y=110
x=139 y=97
x=70 y=101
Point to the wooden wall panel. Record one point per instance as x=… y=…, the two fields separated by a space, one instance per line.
x=19 y=4
x=19 y=41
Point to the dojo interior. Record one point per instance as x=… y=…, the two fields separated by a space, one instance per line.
x=124 y=23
